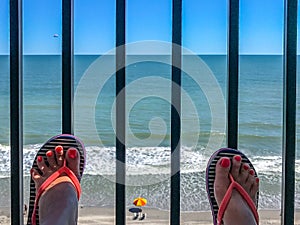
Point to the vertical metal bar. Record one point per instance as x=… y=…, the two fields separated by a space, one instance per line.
x=67 y=66
x=233 y=74
x=16 y=112
x=120 y=112
x=176 y=111
x=289 y=111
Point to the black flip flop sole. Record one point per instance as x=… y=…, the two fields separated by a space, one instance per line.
x=210 y=176
x=66 y=141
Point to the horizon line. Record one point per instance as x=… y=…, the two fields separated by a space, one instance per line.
x=96 y=54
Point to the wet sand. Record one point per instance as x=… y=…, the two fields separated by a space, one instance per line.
x=106 y=216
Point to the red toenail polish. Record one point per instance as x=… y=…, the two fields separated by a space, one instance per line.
x=72 y=153
x=237 y=158
x=40 y=158
x=225 y=162
x=257 y=180
x=251 y=172
x=31 y=170
x=59 y=149
x=49 y=154
x=246 y=167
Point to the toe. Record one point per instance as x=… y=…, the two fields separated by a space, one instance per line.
x=37 y=178
x=244 y=173
x=59 y=152
x=250 y=181
x=35 y=175
x=222 y=178
x=236 y=166
x=51 y=160
x=42 y=165
x=254 y=189
x=73 y=158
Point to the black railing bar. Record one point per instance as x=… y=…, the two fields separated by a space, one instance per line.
x=120 y=201
x=67 y=66
x=289 y=111
x=16 y=112
x=176 y=111
x=232 y=73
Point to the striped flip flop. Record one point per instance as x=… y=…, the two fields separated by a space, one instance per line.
x=218 y=212
x=66 y=141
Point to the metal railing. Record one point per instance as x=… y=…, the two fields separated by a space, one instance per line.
x=120 y=112
x=289 y=111
x=16 y=114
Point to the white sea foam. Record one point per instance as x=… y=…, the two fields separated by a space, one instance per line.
x=142 y=160
x=148 y=173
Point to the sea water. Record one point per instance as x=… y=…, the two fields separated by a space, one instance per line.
x=148 y=103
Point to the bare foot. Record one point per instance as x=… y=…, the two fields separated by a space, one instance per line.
x=55 y=160
x=59 y=203
x=237 y=211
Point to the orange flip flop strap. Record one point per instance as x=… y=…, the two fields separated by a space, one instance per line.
x=53 y=177
x=227 y=198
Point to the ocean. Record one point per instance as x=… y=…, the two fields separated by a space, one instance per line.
x=148 y=123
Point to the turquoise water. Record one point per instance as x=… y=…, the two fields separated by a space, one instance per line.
x=148 y=132
x=260 y=105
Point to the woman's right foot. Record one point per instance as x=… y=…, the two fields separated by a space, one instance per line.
x=237 y=211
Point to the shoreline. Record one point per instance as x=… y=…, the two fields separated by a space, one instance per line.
x=106 y=216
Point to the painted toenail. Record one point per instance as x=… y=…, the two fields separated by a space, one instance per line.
x=246 y=167
x=40 y=158
x=257 y=180
x=72 y=153
x=59 y=149
x=225 y=162
x=251 y=172
x=49 y=154
x=237 y=158
x=31 y=171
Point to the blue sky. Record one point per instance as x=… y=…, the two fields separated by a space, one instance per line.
x=204 y=25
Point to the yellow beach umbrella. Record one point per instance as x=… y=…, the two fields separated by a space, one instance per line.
x=140 y=201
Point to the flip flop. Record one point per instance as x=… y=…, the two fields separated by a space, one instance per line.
x=66 y=141
x=218 y=212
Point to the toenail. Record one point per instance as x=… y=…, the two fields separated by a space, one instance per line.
x=59 y=149
x=246 y=167
x=225 y=162
x=257 y=180
x=237 y=158
x=31 y=171
x=251 y=172
x=40 y=158
x=72 y=153
x=49 y=154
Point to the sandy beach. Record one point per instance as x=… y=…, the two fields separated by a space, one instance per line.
x=105 y=216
